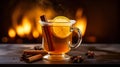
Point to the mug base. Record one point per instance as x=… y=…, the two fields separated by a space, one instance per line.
x=58 y=57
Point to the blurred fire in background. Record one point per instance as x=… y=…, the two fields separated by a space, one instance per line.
x=25 y=20
x=21 y=19
x=27 y=26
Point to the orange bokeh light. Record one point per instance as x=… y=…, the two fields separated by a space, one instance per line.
x=11 y=33
x=20 y=31
x=35 y=34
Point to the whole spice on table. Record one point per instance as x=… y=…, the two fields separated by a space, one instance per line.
x=76 y=59
x=90 y=54
x=38 y=48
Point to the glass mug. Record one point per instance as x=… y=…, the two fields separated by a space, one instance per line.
x=57 y=39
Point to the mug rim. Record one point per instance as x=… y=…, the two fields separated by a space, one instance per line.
x=49 y=23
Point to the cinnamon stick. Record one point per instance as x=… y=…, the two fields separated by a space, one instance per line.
x=48 y=34
x=24 y=56
x=34 y=58
x=34 y=52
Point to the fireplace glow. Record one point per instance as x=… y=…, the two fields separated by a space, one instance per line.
x=81 y=21
x=20 y=31
x=81 y=24
x=25 y=21
x=39 y=28
x=26 y=26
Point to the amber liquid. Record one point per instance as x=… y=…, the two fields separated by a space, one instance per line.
x=60 y=45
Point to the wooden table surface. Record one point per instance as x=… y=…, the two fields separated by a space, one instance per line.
x=104 y=54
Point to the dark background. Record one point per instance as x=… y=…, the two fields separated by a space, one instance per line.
x=102 y=18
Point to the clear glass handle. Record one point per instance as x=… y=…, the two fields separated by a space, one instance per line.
x=79 y=37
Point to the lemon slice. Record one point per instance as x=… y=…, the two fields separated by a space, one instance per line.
x=61 y=31
x=61 y=19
